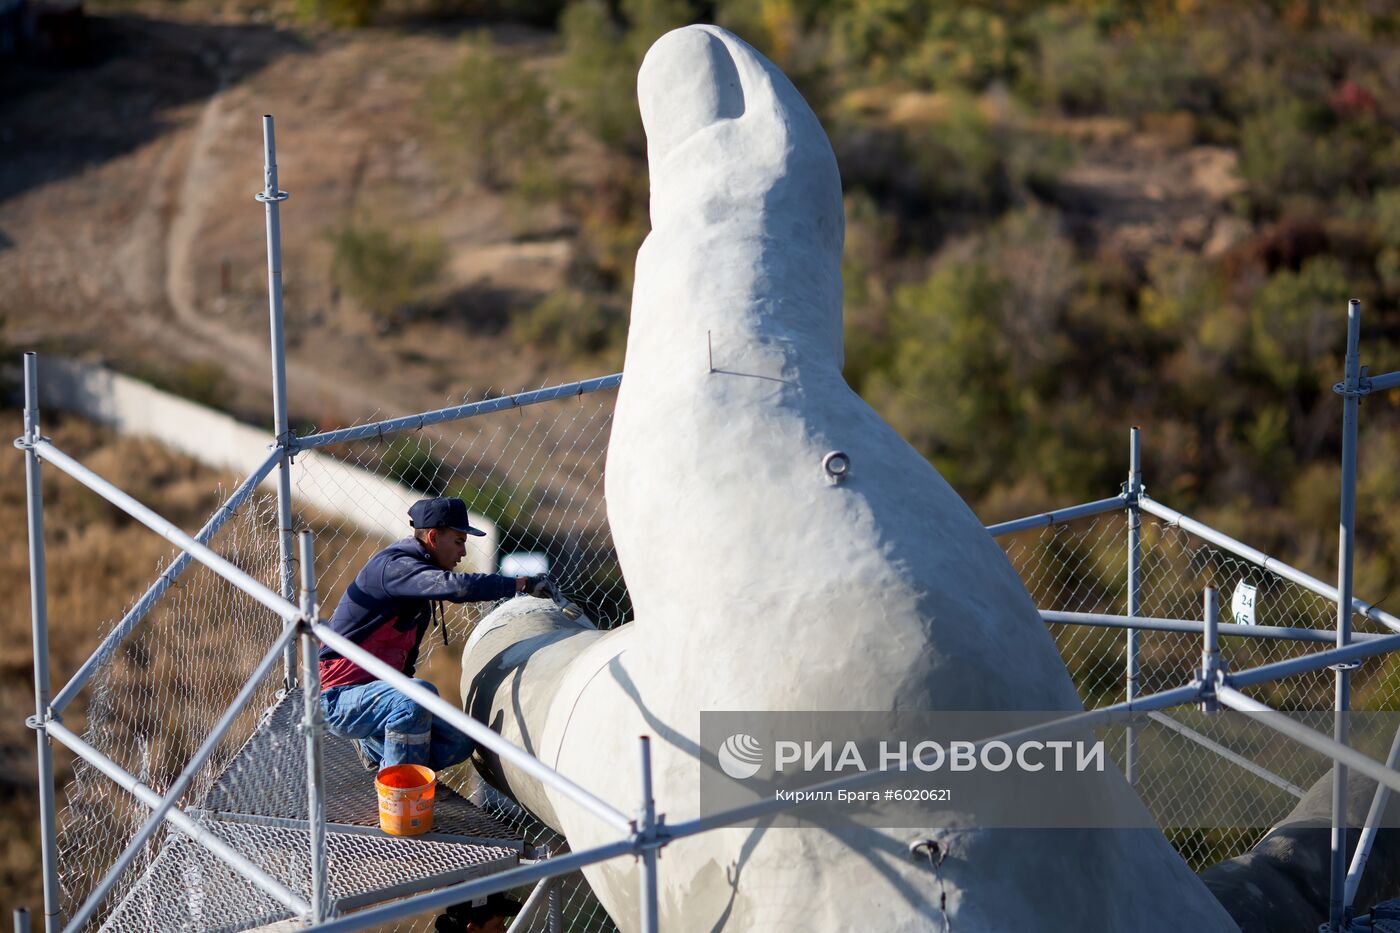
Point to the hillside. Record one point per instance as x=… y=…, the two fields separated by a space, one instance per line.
x=1062 y=219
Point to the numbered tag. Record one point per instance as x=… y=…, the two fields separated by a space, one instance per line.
x=1242 y=603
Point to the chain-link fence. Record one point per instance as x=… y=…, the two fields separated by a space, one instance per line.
x=535 y=473
x=1082 y=566
x=159 y=697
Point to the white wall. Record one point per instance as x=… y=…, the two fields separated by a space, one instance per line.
x=371 y=503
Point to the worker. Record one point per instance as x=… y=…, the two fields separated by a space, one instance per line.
x=387 y=610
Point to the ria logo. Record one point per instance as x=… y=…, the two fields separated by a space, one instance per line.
x=740 y=756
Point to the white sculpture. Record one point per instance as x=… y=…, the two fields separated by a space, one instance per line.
x=760 y=584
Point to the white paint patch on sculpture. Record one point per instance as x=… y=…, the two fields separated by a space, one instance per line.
x=760 y=585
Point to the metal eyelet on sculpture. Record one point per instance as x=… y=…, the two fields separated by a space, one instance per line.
x=837 y=466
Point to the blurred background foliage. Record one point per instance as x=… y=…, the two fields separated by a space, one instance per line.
x=998 y=312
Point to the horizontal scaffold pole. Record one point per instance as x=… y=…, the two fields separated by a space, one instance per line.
x=1295 y=730
x=1191 y=627
x=871 y=779
x=168 y=530
x=1228 y=754
x=456 y=412
x=1356 y=651
x=1259 y=558
x=1111 y=504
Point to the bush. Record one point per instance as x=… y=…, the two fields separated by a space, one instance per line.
x=963 y=47
x=1068 y=65
x=783 y=30
x=497 y=113
x=505 y=507
x=345 y=13
x=410 y=462
x=957 y=160
x=203 y=381
x=598 y=78
x=1308 y=149
x=1387 y=216
x=1282 y=151
x=875 y=36
x=384 y=273
x=572 y=323
x=601 y=57
x=1297 y=326
x=946 y=389
x=869 y=242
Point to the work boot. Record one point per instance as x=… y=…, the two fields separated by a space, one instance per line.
x=369 y=763
x=491 y=917
x=450 y=922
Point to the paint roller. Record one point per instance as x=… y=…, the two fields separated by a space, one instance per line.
x=570 y=611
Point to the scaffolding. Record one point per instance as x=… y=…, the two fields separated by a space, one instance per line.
x=247 y=816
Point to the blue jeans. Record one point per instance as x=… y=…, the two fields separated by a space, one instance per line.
x=391 y=728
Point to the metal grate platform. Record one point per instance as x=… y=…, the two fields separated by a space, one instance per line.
x=258 y=806
x=187 y=888
x=267 y=780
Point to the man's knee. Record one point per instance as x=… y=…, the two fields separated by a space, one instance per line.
x=421 y=716
x=408 y=716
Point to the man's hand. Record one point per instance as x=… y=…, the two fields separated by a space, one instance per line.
x=539 y=586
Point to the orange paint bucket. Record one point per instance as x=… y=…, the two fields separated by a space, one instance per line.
x=405 y=799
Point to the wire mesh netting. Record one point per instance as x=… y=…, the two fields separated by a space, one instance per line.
x=159 y=697
x=534 y=476
x=534 y=473
x=1182 y=759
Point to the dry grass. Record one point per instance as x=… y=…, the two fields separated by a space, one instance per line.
x=98 y=561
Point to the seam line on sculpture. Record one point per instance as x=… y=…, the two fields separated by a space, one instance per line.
x=578 y=696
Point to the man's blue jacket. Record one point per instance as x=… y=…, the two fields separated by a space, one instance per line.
x=400 y=585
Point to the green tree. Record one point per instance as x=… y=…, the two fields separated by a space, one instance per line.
x=947 y=387
x=497 y=113
x=382 y=272
x=351 y=14
x=598 y=77
x=601 y=57
x=1297 y=325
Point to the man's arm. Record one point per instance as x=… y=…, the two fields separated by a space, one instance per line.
x=408 y=577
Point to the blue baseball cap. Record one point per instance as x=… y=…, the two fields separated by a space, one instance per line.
x=442 y=512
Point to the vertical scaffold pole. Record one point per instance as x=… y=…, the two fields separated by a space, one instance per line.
x=1133 y=489
x=271 y=198
x=1210 y=652
x=312 y=726
x=556 y=906
x=39 y=608
x=1350 y=391
x=21 y=920
x=646 y=826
